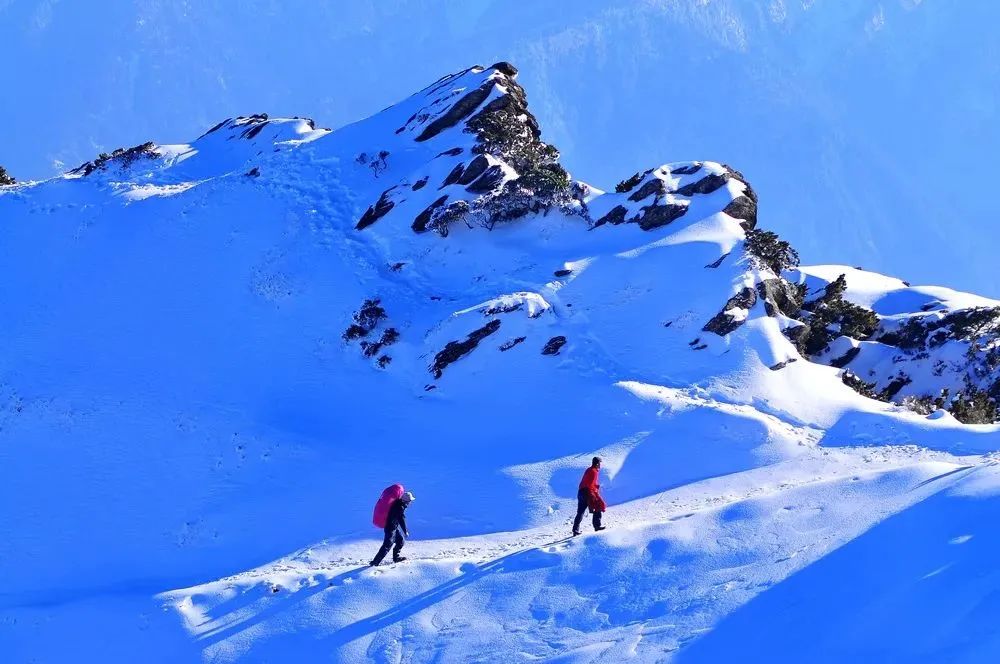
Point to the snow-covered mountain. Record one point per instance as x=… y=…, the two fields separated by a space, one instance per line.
x=217 y=354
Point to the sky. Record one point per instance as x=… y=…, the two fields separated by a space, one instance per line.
x=866 y=127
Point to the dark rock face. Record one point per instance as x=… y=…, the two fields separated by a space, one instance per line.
x=454 y=152
x=724 y=323
x=489 y=180
x=686 y=170
x=505 y=68
x=460 y=110
x=419 y=184
x=655 y=216
x=553 y=345
x=122 y=157
x=706 y=185
x=377 y=211
x=423 y=219
x=846 y=358
x=652 y=187
x=781 y=365
x=510 y=343
x=780 y=297
x=614 y=217
x=453 y=176
x=456 y=350
x=743 y=208
x=563 y=273
x=475 y=168
x=631 y=183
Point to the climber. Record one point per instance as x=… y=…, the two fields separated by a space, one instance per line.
x=395 y=530
x=589 y=496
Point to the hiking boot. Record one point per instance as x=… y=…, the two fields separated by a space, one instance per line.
x=398 y=559
x=575 y=533
x=600 y=527
x=373 y=564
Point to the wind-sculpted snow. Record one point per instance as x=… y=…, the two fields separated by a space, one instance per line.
x=219 y=352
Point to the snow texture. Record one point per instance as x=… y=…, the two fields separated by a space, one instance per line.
x=196 y=418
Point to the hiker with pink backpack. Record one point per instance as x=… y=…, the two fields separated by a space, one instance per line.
x=390 y=515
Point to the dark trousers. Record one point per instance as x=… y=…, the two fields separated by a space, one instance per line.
x=582 y=503
x=391 y=536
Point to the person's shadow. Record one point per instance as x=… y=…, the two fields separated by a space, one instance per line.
x=524 y=559
x=253 y=607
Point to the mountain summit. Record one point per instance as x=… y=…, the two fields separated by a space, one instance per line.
x=222 y=351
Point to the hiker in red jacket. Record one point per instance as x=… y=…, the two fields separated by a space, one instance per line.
x=589 y=496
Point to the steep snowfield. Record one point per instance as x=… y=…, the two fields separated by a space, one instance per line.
x=194 y=437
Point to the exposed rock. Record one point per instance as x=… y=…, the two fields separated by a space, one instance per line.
x=724 y=323
x=614 y=217
x=686 y=170
x=420 y=184
x=455 y=350
x=780 y=297
x=122 y=157
x=743 y=208
x=377 y=211
x=453 y=176
x=553 y=345
x=630 y=183
x=420 y=224
x=454 y=152
x=510 y=343
x=489 y=181
x=563 y=273
x=655 y=216
x=460 y=110
x=706 y=185
x=654 y=186
x=781 y=365
x=384 y=361
x=501 y=308
x=475 y=168
x=846 y=358
x=505 y=68
x=253 y=172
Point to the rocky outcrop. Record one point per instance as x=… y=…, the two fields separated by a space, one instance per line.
x=456 y=350
x=554 y=345
x=375 y=212
x=734 y=314
x=121 y=157
x=459 y=111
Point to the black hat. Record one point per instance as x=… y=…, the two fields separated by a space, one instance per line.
x=596 y=461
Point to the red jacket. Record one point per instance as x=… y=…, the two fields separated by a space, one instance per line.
x=593 y=487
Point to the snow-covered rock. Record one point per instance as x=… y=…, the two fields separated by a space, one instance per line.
x=218 y=353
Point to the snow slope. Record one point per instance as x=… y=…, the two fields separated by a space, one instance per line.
x=200 y=399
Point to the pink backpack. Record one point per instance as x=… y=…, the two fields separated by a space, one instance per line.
x=390 y=495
